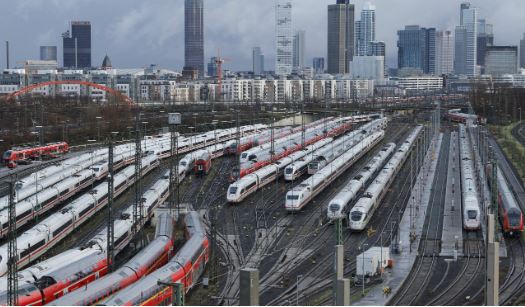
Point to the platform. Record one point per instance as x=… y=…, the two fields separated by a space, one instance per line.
x=404 y=261
x=452 y=235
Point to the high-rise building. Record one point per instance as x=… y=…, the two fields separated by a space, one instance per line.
x=340 y=37
x=48 y=53
x=417 y=49
x=213 y=67
x=318 y=65
x=365 y=30
x=485 y=39
x=283 y=23
x=522 y=52
x=77 y=45
x=501 y=60
x=377 y=48
x=444 y=52
x=194 y=36
x=258 y=61
x=466 y=44
x=298 y=50
x=368 y=67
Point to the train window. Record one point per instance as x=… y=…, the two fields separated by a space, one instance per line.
x=472 y=214
x=292 y=197
x=251 y=185
x=356 y=216
x=233 y=190
x=289 y=171
x=61 y=228
x=21 y=216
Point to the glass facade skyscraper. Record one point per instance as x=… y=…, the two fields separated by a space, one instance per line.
x=365 y=30
x=194 y=36
x=318 y=65
x=466 y=41
x=417 y=48
x=257 y=61
x=284 y=52
x=77 y=45
x=298 y=49
x=340 y=47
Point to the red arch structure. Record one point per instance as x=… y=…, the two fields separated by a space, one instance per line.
x=86 y=83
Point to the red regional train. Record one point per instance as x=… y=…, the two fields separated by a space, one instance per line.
x=11 y=157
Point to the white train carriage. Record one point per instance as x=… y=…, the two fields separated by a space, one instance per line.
x=364 y=209
x=34 y=242
x=242 y=188
x=469 y=190
x=336 y=208
x=301 y=195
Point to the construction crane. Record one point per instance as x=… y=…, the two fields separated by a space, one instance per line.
x=219 y=61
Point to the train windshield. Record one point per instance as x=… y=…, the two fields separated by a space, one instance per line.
x=7 y=155
x=233 y=190
x=356 y=216
x=244 y=155
x=514 y=218
x=293 y=197
x=472 y=214
x=289 y=171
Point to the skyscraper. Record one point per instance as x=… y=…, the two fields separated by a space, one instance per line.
x=340 y=37
x=417 y=48
x=522 y=52
x=213 y=67
x=318 y=65
x=501 y=60
x=365 y=30
x=444 y=52
x=466 y=41
x=48 y=53
x=258 y=61
x=283 y=23
x=77 y=45
x=485 y=39
x=377 y=48
x=298 y=50
x=194 y=35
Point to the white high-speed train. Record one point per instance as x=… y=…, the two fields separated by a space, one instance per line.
x=469 y=190
x=299 y=167
x=365 y=207
x=301 y=195
x=336 y=208
x=34 y=242
x=247 y=185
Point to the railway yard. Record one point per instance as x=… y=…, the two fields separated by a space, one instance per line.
x=418 y=190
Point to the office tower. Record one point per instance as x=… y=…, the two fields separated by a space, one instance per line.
x=368 y=67
x=77 y=45
x=444 y=52
x=194 y=36
x=417 y=48
x=48 y=53
x=377 y=48
x=318 y=65
x=365 y=30
x=522 y=52
x=466 y=41
x=501 y=60
x=283 y=23
x=298 y=50
x=258 y=61
x=212 y=67
x=340 y=37
x=485 y=39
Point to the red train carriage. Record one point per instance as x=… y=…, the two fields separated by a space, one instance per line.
x=12 y=156
x=202 y=164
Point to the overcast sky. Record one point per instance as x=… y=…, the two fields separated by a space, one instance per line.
x=136 y=33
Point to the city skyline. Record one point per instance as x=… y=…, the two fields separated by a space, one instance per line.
x=144 y=34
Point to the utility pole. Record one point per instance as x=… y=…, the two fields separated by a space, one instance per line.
x=111 y=227
x=174 y=119
x=137 y=205
x=12 y=287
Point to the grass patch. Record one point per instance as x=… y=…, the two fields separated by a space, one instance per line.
x=511 y=146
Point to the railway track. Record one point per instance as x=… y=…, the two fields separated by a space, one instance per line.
x=514 y=283
x=412 y=289
x=318 y=277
